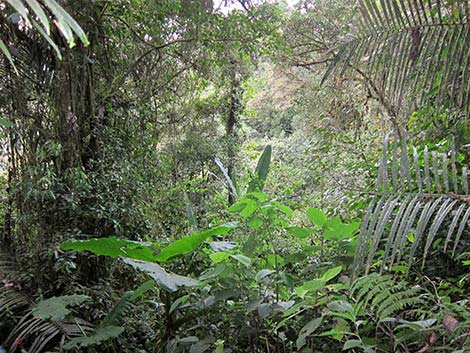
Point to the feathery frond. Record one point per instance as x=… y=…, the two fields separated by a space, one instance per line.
x=383 y=296
x=416 y=53
x=39 y=16
x=45 y=332
x=416 y=204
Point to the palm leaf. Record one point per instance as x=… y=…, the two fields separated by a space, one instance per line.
x=417 y=53
x=44 y=333
x=408 y=214
x=30 y=10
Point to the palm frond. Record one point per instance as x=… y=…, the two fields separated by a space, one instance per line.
x=12 y=302
x=43 y=333
x=39 y=16
x=416 y=53
x=415 y=205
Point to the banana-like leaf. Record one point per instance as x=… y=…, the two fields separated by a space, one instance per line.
x=261 y=171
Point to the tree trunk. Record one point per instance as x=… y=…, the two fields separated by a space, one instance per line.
x=231 y=125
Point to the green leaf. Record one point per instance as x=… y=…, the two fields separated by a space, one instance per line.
x=300 y=232
x=246 y=207
x=6 y=52
x=310 y=286
x=316 y=216
x=411 y=237
x=190 y=243
x=358 y=344
x=261 y=171
x=142 y=289
x=112 y=247
x=39 y=12
x=353 y=344
x=283 y=208
x=178 y=302
x=55 y=308
x=307 y=330
x=237 y=206
x=5 y=122
x=213 y=272
x=65 y=23
x=275 y=259
x=219 y=346
x=249 y=208
x=255 y=222
x=340 y=231
x=342 y=306
x=220 y=256
x=263 y=274
x=167 y=280
x=400 y=268
x=242 y=259
x=100 y=335
x=335 y=333
x=332 y=273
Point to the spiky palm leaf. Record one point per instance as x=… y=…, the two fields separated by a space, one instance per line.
x=39 y=15
x=42 y=333
x=420 y=197
x=415 y=52
x=12 y=302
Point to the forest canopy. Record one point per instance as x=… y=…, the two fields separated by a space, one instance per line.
x=234 y=176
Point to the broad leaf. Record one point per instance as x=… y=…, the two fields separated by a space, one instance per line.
x=217 y=246
x=167 y=280
x=213 y=272
x=307 y=330
x=263 y=274
x=340 y=231
x=316 y=216
x=310 y=286
x=190 y=243
x=112 y=247
x=261 y=171
x=332 y=273
x=55 y=308
x=246 y=207
x=219 y=257
x=300 y=232
x=255 y=222
x=242 y=259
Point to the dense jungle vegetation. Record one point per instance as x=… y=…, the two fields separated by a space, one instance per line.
x=234 y=176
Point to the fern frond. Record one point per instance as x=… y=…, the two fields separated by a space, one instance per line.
x=382 y=296
x=124 y=305
x=121 y=309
